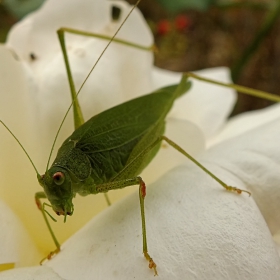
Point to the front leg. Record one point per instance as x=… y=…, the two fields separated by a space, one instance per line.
x=142 y=193
x=41 y=207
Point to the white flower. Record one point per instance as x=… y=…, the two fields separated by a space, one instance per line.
x=195 y=229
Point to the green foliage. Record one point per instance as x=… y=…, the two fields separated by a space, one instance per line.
x=20 y=8
x=178 y=5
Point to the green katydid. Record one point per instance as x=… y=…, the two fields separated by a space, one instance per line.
x=128 y=135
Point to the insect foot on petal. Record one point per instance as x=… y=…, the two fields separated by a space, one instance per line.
x=50 y=255
x=239 y=191
x=152 y=264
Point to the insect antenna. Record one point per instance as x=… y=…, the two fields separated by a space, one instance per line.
x=21 y=147
x=88 y=75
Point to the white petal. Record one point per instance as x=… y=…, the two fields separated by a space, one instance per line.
x=30 y=273
x=206 y=105
x=194 y=228
x=36 y=32
x=254 y=156
x=185 y=134
x=122 y=73
x=14 y=240
x=15 y=169
x=245 y=122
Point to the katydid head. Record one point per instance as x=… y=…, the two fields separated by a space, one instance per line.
x=58 y=189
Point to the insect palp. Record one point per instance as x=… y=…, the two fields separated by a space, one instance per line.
x=44 y=204
x=65 y=216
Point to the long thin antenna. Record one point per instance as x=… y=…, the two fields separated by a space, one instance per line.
x=67 y=112
x=20 y=146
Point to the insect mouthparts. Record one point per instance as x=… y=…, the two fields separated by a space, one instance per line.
x=62 y=212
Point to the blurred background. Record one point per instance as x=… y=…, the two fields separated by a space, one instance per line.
x=195 y=34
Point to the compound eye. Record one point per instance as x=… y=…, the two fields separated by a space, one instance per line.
x=58 y=178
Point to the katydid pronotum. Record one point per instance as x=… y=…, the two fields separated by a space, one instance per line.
x=129 y=154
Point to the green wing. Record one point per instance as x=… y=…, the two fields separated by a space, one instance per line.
x=108 y=139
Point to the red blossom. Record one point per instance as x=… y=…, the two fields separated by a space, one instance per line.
x=182 y=22
x=163 y=27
